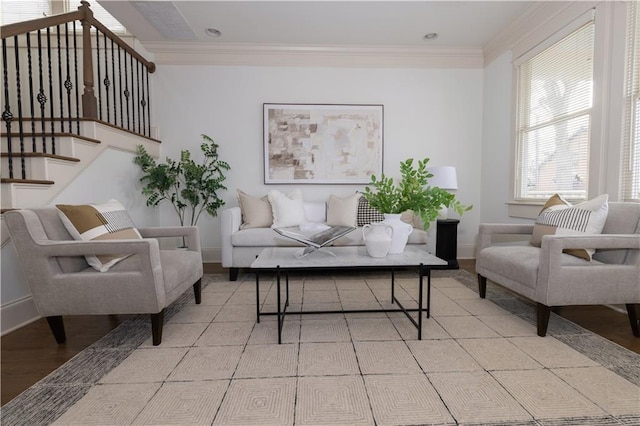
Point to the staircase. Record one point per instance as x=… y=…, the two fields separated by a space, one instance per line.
x=47 y=174
x=54 y=128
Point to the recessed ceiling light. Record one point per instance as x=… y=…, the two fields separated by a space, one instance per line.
x=212 y=32
x=431 y=36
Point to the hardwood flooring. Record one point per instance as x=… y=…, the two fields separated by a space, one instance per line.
x=30 y=353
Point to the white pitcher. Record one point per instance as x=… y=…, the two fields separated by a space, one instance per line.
x=378 y=239
x=401 y=231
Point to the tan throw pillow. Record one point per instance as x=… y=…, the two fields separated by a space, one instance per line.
x=342 y=211
x=256 y=212
x=559 y=217
x=107 y=221
x=288 y=210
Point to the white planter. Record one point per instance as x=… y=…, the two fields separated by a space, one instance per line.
x=401 y=232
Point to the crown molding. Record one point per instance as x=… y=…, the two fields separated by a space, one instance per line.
x=535 y=17
x=313 y=56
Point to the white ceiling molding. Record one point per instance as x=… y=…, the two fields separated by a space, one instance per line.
x=314 y=56
x=527 y=24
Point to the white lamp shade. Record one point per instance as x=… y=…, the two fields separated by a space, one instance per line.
x=443 y=177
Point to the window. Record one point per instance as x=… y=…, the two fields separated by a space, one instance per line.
x=630 y=170
x=555 y=93
x=21 y=10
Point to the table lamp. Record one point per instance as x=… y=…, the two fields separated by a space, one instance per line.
x=444 y=177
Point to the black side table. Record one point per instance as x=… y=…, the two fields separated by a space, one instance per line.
x=447 y=242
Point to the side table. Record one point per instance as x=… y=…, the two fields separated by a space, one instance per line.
x=447 y=242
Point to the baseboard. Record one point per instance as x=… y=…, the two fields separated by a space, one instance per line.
x=466 y=251
x=17 y=314
x=211 y=255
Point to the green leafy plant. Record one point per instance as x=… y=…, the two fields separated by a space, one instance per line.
x=411 y=193
x=191 y=188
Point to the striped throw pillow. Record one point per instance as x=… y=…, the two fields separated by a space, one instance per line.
x=559 y=217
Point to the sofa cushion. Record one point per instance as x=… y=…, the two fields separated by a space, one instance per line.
x=256 y=212
x=559 y=217
x=315 y=211
x=288 y=210
x=106 y=221
x=367 y=214
x=342 y=211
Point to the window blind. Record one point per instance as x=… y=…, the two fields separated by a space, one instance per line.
x=554 y=118
x=13 y=11
x=630 y=164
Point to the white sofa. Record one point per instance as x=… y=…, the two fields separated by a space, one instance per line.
x=241 y=246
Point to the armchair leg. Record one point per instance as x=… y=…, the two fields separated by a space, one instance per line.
x=543 y=314
x=57 y=328
x=197 y=291
x=233 y=274
x=156 y=327
x=632 y=311
x=482 y=286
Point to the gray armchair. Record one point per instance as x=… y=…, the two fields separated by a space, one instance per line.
x=62 y=283
x=551 y=278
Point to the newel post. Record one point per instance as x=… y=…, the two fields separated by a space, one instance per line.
x=89 y=102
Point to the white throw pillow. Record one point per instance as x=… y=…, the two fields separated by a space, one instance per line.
x=559 y=217
x=342 y=211
x=288 y=210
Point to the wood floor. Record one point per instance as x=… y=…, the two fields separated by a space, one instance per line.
x=30 y=353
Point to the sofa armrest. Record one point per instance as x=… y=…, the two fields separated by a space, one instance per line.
x=557 y=280
x=230 y=221
x=190 y=234
x=486 y=231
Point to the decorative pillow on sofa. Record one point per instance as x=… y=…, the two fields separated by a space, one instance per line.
x=107 y=221
x=559 y=217
x=342 y=211
x=256 y=212
x=288 y=210
x=366 y=213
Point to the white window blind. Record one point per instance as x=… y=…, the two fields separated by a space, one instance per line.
x=630 y=170
x=24 y=10
x=554 y=119
x=13 y=11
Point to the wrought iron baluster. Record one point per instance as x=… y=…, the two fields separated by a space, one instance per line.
x=133 y=97
x=16 y=51
x=120 y=85
x=75 y=71
x=99 y=75
x=148 y=105
x=138 y=91
x=67 y=82
x=107 y=82
x=7 y=116
x=31 y=94
x=143 y=102
x=41 y=97
x=126 y=90
x=113 y=74
x=60 y=79
x=53 y=131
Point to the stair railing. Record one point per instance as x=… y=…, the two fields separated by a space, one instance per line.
x=41 y=63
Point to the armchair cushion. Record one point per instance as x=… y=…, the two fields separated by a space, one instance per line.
x=559 y=217
x=107 y=221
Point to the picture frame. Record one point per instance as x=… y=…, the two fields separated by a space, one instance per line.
x=322 y=143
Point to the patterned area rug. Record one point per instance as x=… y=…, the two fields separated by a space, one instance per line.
x=480 y=362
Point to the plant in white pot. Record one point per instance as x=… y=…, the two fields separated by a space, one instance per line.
x=412 y=192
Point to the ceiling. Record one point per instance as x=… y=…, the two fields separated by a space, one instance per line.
x=459 y=24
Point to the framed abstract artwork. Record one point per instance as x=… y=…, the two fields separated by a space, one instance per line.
x=322 y=144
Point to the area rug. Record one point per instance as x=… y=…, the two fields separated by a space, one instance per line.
x=479 y=363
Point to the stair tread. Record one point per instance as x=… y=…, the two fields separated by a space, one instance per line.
x=42 y=154
x=48 y=135
x=33 y=181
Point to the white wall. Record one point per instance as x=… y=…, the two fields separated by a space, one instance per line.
x=435 y=113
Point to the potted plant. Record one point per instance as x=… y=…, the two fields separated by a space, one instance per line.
x=412 y=192
x=191 y=188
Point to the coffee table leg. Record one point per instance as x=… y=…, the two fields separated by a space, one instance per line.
x=420 y=303
x=428 y=292
x=286 y=302
x=280 y=316
x=258 y=297
x=393 y=285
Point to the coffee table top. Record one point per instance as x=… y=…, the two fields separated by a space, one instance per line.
x=345 y=256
